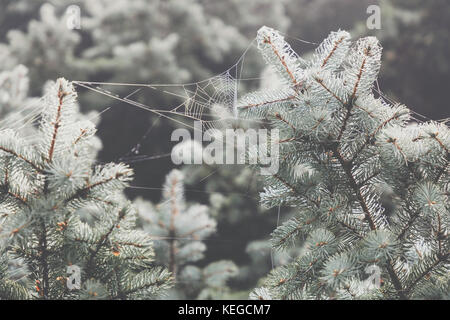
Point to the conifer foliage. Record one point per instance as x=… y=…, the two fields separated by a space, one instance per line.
x=180 y=230
x=61 y=213
x=370 y=185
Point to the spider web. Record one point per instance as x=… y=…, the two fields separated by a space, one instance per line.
x=212 y=101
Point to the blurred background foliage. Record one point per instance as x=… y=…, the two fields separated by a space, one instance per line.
x=178 y=41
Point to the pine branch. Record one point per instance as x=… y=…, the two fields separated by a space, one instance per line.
x=44 y=231
x=335 y=46
x=103 y=241
x=265 y=103
x=43 y=254
x=320 y=82
x=355 y=87
x=172 y=234
x=346 y=165
x=396 y=282
x=19 y=156
x=281 y=58
x=56 y=123
x=425 y=272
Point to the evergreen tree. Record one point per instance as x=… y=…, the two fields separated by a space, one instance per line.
x=19 y=111
x=148 y=41
x=370 y=187
x=180 y=231
x=60 y=213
